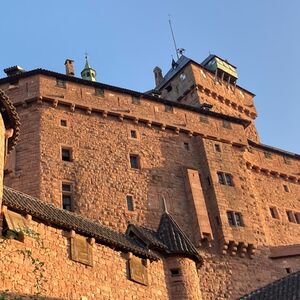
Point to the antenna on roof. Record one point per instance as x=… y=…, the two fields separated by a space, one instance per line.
x=173 y=36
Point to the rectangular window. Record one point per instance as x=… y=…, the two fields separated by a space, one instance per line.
x=133 y=134
x=274 y=212
x=267 y=154
x=129 y=202
x=136 y=100
x=221 y=177
x=226 y=124
x=217 y=148
x=225 y=178
x=168 y=108
x=60 y=83
x=99 y=92
x=290 y=216
x=67 y=196
x=204 y=119
x=66 y=154
x=235 y=218
x=63 y=123
x=186 y=146
x=175 y=272
x=134 y=161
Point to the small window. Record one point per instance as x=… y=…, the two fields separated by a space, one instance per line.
x=267 y=154
x=66 y=154
x=186 y=146
x=60 y=83
x=274 y=213
x=288 y=270
x=88 y=74
x=217 y=148
x=133 y=134
x=136 y=100
x=175 y=272
x=67 y=196
x=286 y=188
x=204 y=119
x=99 y=92
x=225 y=178
x=226 y=124
x=134 y=161
x=291 y=216
x=168 y=108
x=63 y=123
x=234 y=218
x=67 y=202
x=129 y=202
x=286 y=160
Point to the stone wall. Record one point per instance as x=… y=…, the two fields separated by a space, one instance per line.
x=62 y=278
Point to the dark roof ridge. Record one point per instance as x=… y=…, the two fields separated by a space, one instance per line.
x=40 y=71
x=61 y=218
x=273 y=149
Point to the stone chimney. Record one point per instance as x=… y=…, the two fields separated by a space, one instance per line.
x=69 y=63
x=15 y=70
x=157 y=75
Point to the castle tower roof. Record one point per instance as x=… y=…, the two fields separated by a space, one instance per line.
x=88 y=73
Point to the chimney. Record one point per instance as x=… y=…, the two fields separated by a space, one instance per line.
x=69 y=63
x=15 y=70
x=158 y=75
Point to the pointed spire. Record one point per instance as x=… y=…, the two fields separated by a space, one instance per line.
x=165 y=208
x=88 y=73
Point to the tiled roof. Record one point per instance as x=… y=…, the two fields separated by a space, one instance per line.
x=180 y=64
x=168 y=239
x=147 y=235
x=286 y=288
x=70 y=221
x=11 y=119
x=175 y=239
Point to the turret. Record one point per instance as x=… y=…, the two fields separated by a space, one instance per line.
x=88 y=73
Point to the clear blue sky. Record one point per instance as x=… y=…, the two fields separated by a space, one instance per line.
x=127 y=39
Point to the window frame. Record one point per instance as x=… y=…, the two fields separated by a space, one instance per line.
x=137 y=165
x=235 y=218
x=67 y=193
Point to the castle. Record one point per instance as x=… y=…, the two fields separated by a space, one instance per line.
x=167 y=194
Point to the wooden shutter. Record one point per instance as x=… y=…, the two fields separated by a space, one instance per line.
x=15 y=221
x=81 y=250
x=138 y=270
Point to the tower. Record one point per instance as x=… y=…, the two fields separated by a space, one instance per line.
x=88 y=73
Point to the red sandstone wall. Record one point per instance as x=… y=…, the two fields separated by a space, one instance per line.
x=63 y=278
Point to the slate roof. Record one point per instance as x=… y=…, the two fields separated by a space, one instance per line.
x=168 y=239
x=64 y=219
x=11 y=119
x=181 y=63
x=175 y=239
x=286 y=288
x=241 y=121
x=274 y=149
